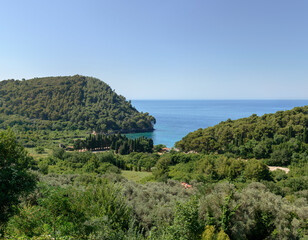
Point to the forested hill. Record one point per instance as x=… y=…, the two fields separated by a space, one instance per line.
x=277 y=135
x=71 y=102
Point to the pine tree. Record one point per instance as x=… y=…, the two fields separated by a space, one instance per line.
x=290 y=132
x=305 y=136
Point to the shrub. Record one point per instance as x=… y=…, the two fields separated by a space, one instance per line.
x=15 y=181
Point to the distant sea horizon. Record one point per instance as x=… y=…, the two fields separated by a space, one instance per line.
x=176 y=118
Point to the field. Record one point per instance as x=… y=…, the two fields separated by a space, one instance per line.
x=36 y=155
x=139 y=177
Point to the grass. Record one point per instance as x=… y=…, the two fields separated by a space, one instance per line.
x=139 y=177
x=35 y=155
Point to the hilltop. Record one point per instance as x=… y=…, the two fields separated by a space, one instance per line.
x=68 y=103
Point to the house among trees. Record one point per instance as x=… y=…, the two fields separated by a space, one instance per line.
x=186 y=185
x=165 y=149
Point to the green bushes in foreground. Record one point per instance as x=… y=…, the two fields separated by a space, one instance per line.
x=78 y=198
x=73 y=214
x=15 y=180
x=100 y=209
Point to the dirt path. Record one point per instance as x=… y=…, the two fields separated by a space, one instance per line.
x=272 y=168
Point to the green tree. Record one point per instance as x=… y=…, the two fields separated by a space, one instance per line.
x=161 y=169
x=186 y=221
x=15 y=180
x=63 y=211
x=305 y=136
x=281 y=156
x=29 y=222
x=107 y=207
x=290 y=132
x=256 y=170
x=210 y=234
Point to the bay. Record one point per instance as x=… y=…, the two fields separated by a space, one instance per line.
x=176 y=118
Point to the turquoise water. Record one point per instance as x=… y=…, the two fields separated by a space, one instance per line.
x=176 y=118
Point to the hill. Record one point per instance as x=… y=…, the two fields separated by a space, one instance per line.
x=70 y=102
x=276 y=136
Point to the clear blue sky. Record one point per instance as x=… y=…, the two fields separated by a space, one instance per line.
x=162 y=49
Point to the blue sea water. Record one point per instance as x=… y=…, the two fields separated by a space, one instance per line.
x=176 y=118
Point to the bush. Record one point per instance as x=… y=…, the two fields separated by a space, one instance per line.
x=186 y=224
x=15 y=180
x=258 y=213
x=256 y=170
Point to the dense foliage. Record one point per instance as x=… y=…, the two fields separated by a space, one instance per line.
x=74 y=102
x=82 y=195
x=215 y=194
x=273 y=136
x=121 y=144
x=15 y=180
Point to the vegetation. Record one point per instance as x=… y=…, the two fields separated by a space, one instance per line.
x=41 y=105
x=15 y=181
x=138 y=177
x=121 y=144
x=139 y=194
x=279 y=137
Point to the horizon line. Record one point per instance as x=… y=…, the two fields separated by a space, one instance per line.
x=221 y=99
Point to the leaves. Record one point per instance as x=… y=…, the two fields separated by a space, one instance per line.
x=254 y=137
x=69 y=102
x=15 y=181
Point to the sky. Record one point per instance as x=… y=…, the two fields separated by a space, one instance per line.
x=162 y=49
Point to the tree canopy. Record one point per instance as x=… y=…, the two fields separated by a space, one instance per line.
x=276 y=136
x=14 y=178
x=70 y=102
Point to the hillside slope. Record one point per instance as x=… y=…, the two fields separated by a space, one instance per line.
x=71 y=102
x=277 y=135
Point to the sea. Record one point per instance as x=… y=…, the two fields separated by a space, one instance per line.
x=176 y=118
